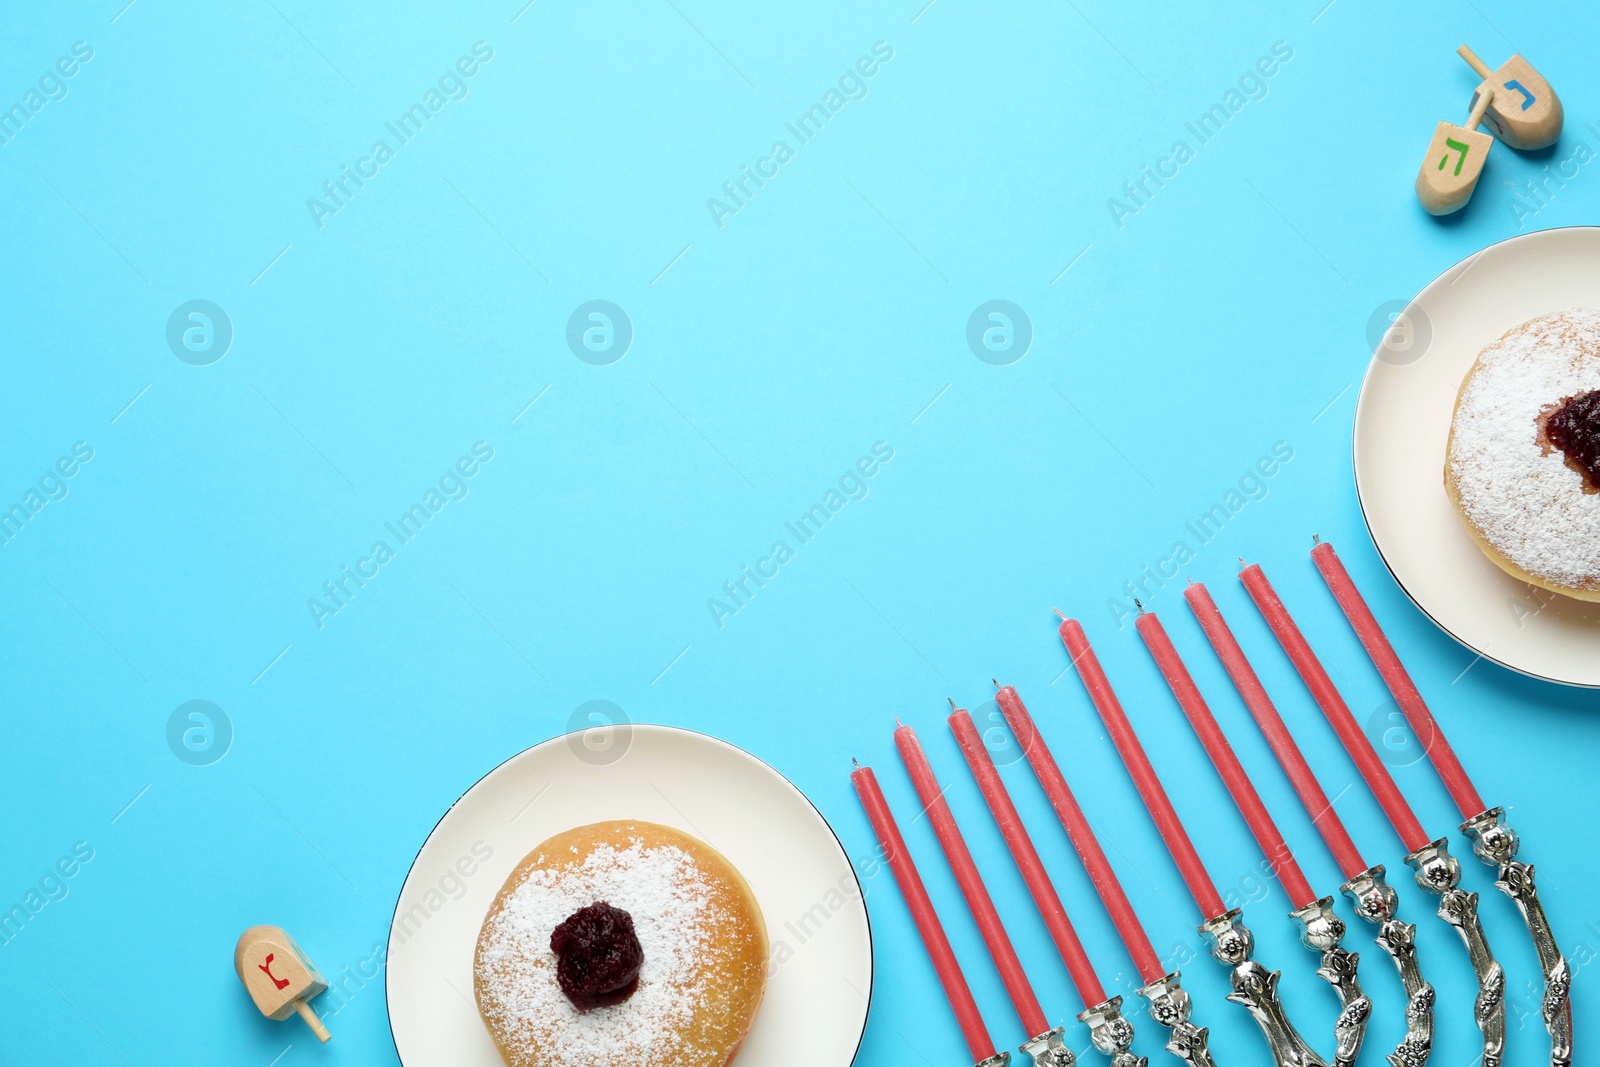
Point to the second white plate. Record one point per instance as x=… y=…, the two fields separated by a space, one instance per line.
x=815 y=1011
x=1402 y=426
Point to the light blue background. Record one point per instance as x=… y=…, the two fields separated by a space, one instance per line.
x=829 y=313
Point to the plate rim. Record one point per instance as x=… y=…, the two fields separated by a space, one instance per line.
x=872 y=953
x=1355 y=466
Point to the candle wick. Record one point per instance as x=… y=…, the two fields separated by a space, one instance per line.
x=996 y=682
x=1138 y=605
x=897 y=722
x=1315 y=539
x=952 y=703
x=1060 y=613
x=855 y=763
x=1241 y=563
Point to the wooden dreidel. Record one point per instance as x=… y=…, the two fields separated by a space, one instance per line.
x=278 y=975
x=1455 y=159
x=1525 y=113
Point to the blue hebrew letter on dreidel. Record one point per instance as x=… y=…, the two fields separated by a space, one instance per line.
x=1454 y=146
x=1527 y=97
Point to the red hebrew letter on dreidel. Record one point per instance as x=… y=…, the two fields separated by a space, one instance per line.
x=283 y=981
x=266 y=968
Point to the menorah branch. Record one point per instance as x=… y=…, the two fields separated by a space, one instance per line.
x=1376 y=903
x=1256 y=988
x=1439 y=873
x=1495 y=843
x=1322 y=932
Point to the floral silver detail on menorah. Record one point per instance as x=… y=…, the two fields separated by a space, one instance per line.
x=1111 y=1033
x=1049 y=1049
x=1169 y=1006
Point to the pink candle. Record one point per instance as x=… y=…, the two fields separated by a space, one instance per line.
x=1073 y=820
x=922 y=913
x=1225 y=760
x=972 y=888
x=1143 y=774
x=1400 y=685
x=1027 y=859
x=1305 y=661
x=1293 y=761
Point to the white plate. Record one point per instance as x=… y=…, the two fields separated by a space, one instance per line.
x=1402 y=425
x=817 y=998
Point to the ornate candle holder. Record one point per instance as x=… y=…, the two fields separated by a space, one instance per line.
x=1049 y=1049
x=1169 y=1006
x=1439 y=873
x=999 y=1059
x=1376 y=903
x=1111 y=1033
x=1496 y=844
x=1257 y=989
x=1322 y=931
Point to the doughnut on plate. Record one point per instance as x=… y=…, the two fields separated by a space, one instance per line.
x=1402 y=432
x=820 y=968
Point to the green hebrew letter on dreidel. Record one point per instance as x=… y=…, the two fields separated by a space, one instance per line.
x=1454 y=146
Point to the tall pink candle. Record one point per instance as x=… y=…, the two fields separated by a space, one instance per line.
x=1395 y=676
x=1027 y=859
x=1084 y=841
x=1226 y=761
x=955 y=986
x=1143 y=774
x=1293 y=761
x=972 y=887
x=1334 y=709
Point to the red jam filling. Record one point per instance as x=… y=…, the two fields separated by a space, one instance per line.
x=1575 y=429
x=598 y=956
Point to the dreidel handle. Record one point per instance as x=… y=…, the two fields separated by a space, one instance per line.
x=1474 y=62
x=310 y=1016
x=1479 y=108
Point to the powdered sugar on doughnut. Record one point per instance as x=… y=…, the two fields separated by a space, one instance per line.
x=1523 y=498
x=672 y=915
